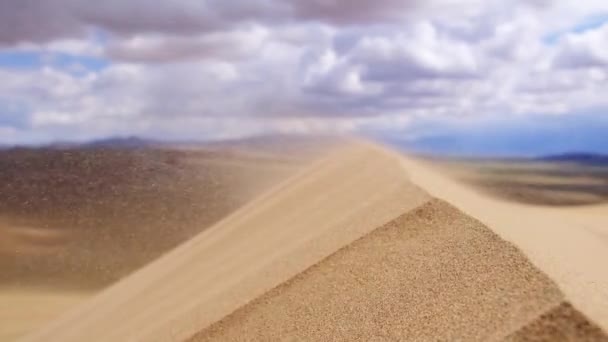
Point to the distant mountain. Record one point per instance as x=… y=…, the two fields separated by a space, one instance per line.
x=267 y=143
x=577 y=157
x=123 y=142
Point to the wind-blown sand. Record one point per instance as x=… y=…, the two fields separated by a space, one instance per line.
x=349 y=249
x=75 y=220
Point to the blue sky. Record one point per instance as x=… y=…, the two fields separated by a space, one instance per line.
x=62 y=61
x=466 y=76
x=590 y=23
x=510 y=137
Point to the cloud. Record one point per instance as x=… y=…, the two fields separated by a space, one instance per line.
x=352 y=11
x=162 y=48
x=45 y=20
x=220 y=68
x=420 y=53
x=582 y=50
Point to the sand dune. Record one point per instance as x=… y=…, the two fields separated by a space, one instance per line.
x=348 y=249
x=569 y=244
x=431 y=274
x=22 y=309
x=339 y=199
x=74 y=220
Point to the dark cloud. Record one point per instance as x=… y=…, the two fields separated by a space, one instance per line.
x=193 y=64
x=36 y=21
x=228 y=45
x=45 y=20
x=352 y=11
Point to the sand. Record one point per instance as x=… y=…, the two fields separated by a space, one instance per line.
x=569 y=244
x=307 y=218
x=73 y=221
x=562 y=323
x=352 y=248
x=431 y=274
x=23 y=310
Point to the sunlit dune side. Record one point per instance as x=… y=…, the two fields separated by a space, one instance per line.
x=22 y=310
x=340 y=198
x=355 y=248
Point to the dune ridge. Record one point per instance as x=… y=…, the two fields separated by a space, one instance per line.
x=327 y=206
x=568 y=244
x=350 y=249
x=75 y=219
x=431 y=274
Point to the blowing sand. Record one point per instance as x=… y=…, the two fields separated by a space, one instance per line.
x=334 y=202
x=73 y=221
x=349 y=249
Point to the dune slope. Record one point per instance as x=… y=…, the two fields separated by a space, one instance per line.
x=431 y=274
x=74 y=220
x=326 y=207
x=569 y=244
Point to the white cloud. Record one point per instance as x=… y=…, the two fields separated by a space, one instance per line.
x=227 y=68
x=228 y=45
x=588 y=49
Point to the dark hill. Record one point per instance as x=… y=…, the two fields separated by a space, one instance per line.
x=581 y=158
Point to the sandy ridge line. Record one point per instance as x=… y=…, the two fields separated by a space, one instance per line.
x=172 y=298
x=140 y=275
x=560 y=243
x=519 y=292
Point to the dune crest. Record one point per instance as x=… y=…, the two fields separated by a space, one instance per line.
x=350 y=249
x=431 y=274
x=339 y=199
x=568 y=244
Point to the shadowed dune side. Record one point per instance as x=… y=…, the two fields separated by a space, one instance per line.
x=562 y=323
x=337 y=200
x=431 y=274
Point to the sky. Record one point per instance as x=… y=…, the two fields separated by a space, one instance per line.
x=450 y=76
